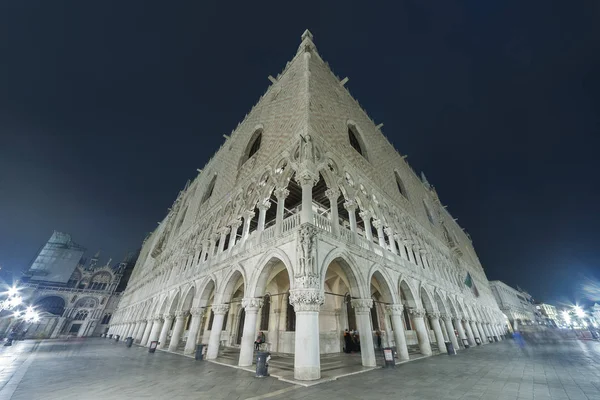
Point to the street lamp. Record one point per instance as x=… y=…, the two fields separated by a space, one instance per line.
x=566 y=317
x=12 y=300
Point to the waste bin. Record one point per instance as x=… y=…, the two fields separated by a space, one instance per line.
x=388 y=357
x=262 y=364
x=478 y=341
x=199 y=352
x=110 y=336
x=490 y=339
x=117 y=338
x=450 y=349
x=466 y=343
x=495 y=338
x=153 y=345
x=129 y=341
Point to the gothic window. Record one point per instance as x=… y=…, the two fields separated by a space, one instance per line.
x=265 y=311
x=105 y=319
x=400 y=184
x=290 y=320
x=80 y=316
x=100 y=281
x=355 y=142
x=86 y=302
x=255 y=144
x=209 y=189
x=428 y=212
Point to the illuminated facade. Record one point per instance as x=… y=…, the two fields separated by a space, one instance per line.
x=307 y=222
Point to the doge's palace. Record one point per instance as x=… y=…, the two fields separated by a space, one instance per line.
x=305 y=223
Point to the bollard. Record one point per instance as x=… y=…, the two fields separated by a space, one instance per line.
x=495 y=338
x=129 y=341
x=262 y=364
x=117 y=338
x=110 y=336
x=478 y=341
x=388 y=358
x=490 y=339
x=153 y=345
x=199 y=352
x=450 y=349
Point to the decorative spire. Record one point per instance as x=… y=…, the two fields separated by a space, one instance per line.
x=307 y=44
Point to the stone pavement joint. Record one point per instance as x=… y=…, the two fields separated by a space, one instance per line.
x=92 y=369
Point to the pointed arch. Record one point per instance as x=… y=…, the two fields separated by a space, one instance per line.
x=348 y=265
x=385 y=285
x=265 y=267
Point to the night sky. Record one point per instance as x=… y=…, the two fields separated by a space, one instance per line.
x=107 y=109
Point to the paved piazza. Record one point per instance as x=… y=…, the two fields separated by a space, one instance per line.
x=103 y=369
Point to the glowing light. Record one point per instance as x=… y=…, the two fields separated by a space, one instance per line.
x=579 y=312
x=13 y=291
x=566 y=317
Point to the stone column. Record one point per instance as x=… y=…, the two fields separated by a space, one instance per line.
x=422 y=336
x=214 y=341
x=450 y=331
x=178 y=330
x=130 y=330
x=437 y=329
x=162 y=338
x=263 y=206
x=155 y=332
x=467 y=326
x=409 y=251
x=395 y=311
x=205 y=247
x=248 y=215
x=142 y=332
x=307 y=181
x=251 y=306
x=281 y=194
x=147 y=330
x=84 y=326
x=223 y=232
x=59 y=326
x=333 y=195
x=350 y=206
x=362 y=310
x=136 y=329
x=307 y=299
x=461 y=331
x=482 y=334
x=392 y=241
x=211 y=246
x=234 y=228
x=473 y=328
x=366 y=217
x=380 y=236
x=190 y=345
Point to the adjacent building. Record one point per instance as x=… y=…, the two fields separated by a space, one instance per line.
x=516 y=304
x=307 y=222
x=72 y=295
x=548 y=313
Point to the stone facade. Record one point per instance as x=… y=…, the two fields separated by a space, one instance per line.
x=307 y=222
x=517 y=305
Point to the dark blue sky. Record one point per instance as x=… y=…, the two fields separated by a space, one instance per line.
x=106 y=109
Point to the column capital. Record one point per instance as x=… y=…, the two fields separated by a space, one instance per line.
x=377 y=223
x=417 y=312
x=389 y=231
x=220 y=309
x=281 y=193
x=365 y=214
x=157 y=318
x=197 y=311
x=224 y=230
x=236 y=223
x=395 y=309
x=362 y=305
x=350 y=205
x=434 y=314
x=166 y=317
x=181 y=314
x=446 y=317
x=252 y=303
x=306 y=299
x=248 y=214
x=332 y=195
x=264 y=205
x=306 y=177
